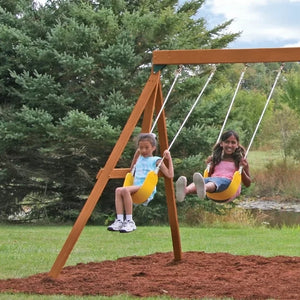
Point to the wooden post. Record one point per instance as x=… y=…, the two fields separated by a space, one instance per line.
x=149 y=110
x=104 y=175
x=169 y=187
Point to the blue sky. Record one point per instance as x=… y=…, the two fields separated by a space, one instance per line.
x=264 y=23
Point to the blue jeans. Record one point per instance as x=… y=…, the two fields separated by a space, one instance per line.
x=221 y=183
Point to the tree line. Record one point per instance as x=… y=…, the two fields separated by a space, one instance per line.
x=70 y=75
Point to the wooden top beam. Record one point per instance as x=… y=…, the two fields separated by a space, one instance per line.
x=214 y=56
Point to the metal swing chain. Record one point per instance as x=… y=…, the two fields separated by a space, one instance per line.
x=177 y=73
x=262 y=114
x=229 y=109
x=189 y=113
x=232 y=101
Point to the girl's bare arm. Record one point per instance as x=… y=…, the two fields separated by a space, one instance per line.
x=167 y=170
x=246 y=178
x=135 y=157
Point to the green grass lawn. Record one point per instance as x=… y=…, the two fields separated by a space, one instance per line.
x=30 y=249
x=259 y=159
x=27 y=250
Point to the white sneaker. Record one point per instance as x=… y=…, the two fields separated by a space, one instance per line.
x=115 y=226
x=128 y=226
x=180 y=188
x=200 y=185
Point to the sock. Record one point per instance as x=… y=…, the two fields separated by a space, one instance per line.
x=128 y=217
x=120 y=217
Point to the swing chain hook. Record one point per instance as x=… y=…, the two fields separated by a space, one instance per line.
x=178 y=70
x=214 y=68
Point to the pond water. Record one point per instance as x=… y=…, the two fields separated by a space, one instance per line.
x=273 y=213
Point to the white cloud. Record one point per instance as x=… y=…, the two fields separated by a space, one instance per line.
x=293 y=45
x=260 y=21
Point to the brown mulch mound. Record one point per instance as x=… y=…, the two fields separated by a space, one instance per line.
x=197 y=275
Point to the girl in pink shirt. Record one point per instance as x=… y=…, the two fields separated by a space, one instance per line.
x=227 y=157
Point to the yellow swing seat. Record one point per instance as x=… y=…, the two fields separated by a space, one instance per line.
x=145 y=190
x=230 y=191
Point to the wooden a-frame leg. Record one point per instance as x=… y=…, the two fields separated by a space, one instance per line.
x=104 y=175
x=169 y=187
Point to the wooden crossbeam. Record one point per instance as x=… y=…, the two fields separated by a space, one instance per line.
x=213 y=56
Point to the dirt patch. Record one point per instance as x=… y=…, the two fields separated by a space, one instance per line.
x=197 y=275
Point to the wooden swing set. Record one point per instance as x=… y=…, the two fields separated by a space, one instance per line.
x=149 y=103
